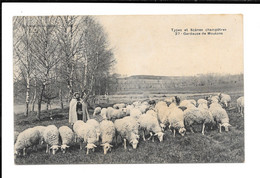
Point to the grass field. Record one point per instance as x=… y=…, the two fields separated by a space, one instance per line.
x=213 y=147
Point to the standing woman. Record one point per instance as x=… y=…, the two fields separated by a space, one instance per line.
x=76 y=109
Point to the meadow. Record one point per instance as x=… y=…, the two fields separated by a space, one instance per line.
x=213 y=147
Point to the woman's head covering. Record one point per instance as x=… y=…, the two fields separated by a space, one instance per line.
x=76 y=94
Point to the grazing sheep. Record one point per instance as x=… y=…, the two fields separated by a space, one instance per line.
x=51 y=137
x=119 y=106
x=168 y=101
x=103 y=113
x=108 y=131
x=136 y=103
x=128 y=109
x=225 y=99
x=143 y=107
x=80 y=132
x=220 y=116
x=240 y=105
x=41 y=130
x=113 y=114
x=202 y=101
x=97 y=111
x=15 y=136
x=176 y=121
x=92 y=134
x=199 y=115
x=213 y=99
x=67 y=137
x=172 y=105
x=185 y=103
x=152 y=113
x=27 y=138
x=135 y=113
x=128 y=130
x=148 y=122
x=159 y=104
x=163 y=111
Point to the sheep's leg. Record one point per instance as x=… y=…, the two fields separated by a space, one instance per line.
x=174 y=132
x=80 y=145
x=93 y=149
x=47 y=148
x=24 y=153
x=144 y=135
x=191 y=129
x=152 y=138
x=124 y=143
x=151 y=135
x=87 y=151
x=219 y=128
x=203 y=128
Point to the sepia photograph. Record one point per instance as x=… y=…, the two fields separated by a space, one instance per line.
x=128 y=89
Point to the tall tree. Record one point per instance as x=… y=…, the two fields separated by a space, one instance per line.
x=23 y=36
x=45 y=50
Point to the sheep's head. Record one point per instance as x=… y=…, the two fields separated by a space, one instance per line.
x=182 y=131
x=134 y=143
x=63 y=148
x=106 y=147
x=54 y=148
x=90 y=146
x=226 y=125
x=160 y=136
x=162 y=126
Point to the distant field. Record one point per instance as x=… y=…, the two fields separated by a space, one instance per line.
x=213 y=147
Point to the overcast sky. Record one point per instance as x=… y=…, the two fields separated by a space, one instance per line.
x=145 y=45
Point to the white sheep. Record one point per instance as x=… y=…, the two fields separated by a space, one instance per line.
x=128 y=130
x=176 y=121
x=79 y=128
x=172 y=105
x=136 y=103
x=168 y=101
x=240 y=105
x=51 y=137
x=41 y=130
x=67 y=137
x=200 y=115
x=119 y=106
x=220 y=116
x=103 y=113
x=202 y=101
x=113 y=114
x=27 y=138
x=135 y=113
x=213 y=99
x=185 y=103
x=97 y=111
x=143 y=107
x=163 y=111
x=128 y=109
x=92 y=134
x=107 y=130
x=225 y=99
x=148 y=122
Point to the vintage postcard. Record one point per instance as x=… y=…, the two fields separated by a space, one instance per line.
x=128 y=89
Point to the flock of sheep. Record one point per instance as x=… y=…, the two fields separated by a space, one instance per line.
x=130 y=122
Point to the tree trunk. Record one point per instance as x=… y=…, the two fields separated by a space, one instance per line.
x=27 y=99
x=61 y=99
x=35 y=94
x=40 y=102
